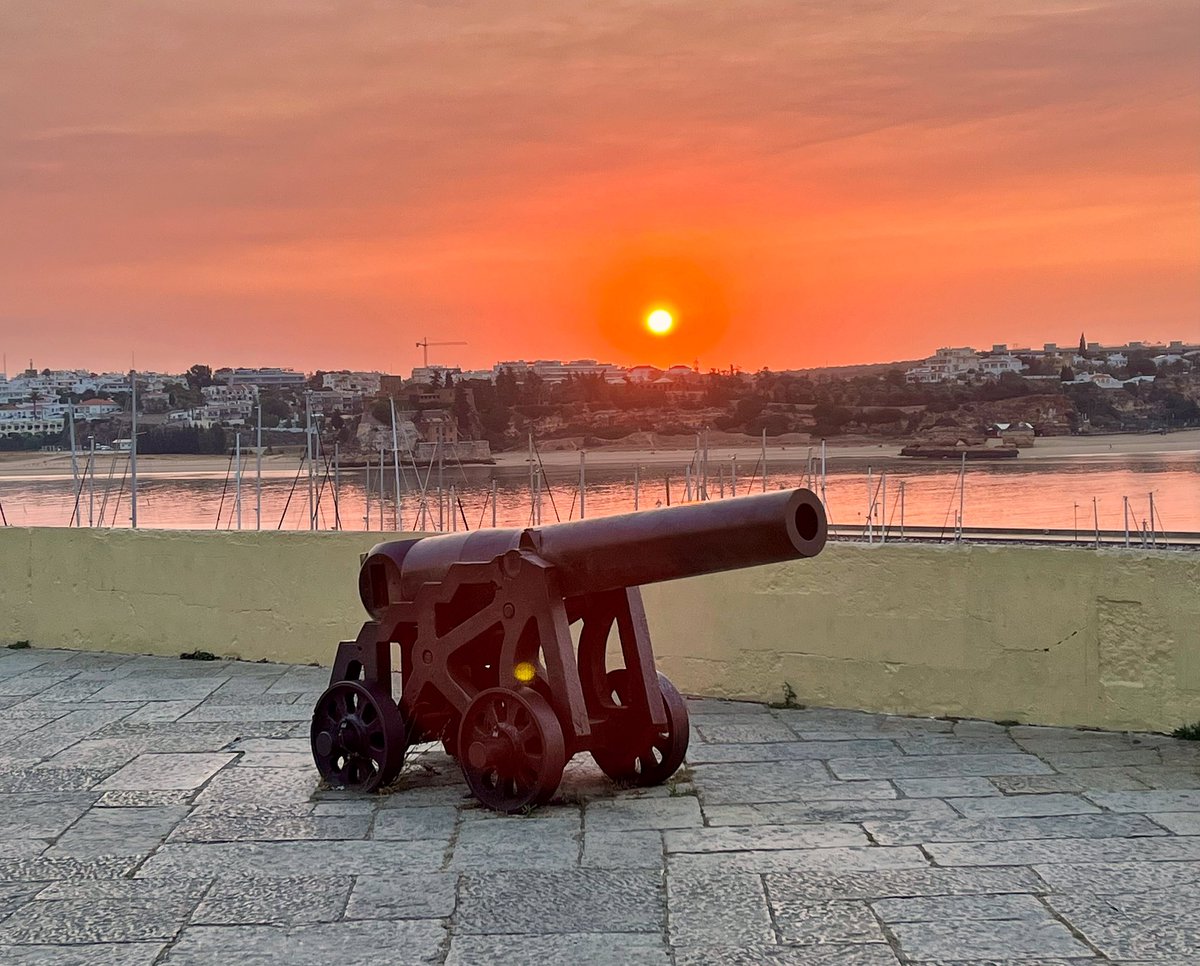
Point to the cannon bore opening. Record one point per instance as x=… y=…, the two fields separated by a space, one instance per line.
x=808 y=524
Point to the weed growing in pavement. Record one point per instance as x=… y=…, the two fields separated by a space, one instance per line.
x=1188 y=732
x=789 y=698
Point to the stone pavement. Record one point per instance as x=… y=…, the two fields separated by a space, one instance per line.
x=166 y=811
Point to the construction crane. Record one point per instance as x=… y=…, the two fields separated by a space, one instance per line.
x=425 y=344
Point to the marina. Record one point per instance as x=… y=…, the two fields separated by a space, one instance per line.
x=1073 y=497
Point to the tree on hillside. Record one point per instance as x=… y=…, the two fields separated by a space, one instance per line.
x=199 y=376
x=1066 y=374
x=274 y=410
x=1082 y=345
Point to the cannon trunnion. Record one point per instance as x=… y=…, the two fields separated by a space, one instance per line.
x=479 y=627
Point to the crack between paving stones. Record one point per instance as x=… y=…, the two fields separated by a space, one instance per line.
x=889 y=937
x=171 y=943
x=452 y=921
x=762 y=877
x=1068 y=925
x=453 y=841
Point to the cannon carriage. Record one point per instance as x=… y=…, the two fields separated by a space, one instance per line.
x=479 y=629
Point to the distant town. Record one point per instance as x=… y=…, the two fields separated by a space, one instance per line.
x=957 y=394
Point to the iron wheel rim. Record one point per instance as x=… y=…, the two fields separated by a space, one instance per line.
x=652 y=754
x=358 y=736
x=511 y=749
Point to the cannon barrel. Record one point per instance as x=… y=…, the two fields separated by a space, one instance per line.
x=607 y=553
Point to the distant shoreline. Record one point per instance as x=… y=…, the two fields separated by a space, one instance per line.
x=13 y=465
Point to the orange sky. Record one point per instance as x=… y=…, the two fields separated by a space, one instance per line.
x=319 y=183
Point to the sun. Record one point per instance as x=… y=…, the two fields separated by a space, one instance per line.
x=660 y=322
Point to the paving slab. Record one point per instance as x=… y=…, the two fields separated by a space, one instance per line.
x=403 y=895
x=344 y=943
x=516 y=843
x=837 y=859
x=643 y=813
x=75 y=921
x=956 y=908
x=1114 y=878
x=937 y=766
x=720 y=907
x=429 y=822
x=823 y=923
x=759 y=728
x=824 y=886
x=1011 y=829
x=1012 y=806
x=567 y=901
x=786 y=750
x=106 y=954
x=1014 y=939
x=41 y=814
x=1162 y=800
x=118 y=831
x=274 y=901
x=801 y=813
x=167 y=772
x=1149 y=849
x=623 y=850
x=946 y=787
x=746 y=838
x=862 y=954
x=290 y=860
x=570 y=949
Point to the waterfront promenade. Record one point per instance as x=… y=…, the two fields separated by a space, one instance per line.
x=154 y=810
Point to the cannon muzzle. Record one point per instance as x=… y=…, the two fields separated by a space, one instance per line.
x=609 y=553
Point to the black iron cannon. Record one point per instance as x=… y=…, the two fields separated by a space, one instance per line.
x=478 y=625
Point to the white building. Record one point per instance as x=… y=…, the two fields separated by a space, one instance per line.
x=426 y=375
x=266 y=378
x=1101 y=380
x=18 y=419
x=945 y=365
x=555 y=370
x=328 y=401
x=97 y=408
x=643 y=375
x=363 y=383
x=998 y=365
x=228 y=395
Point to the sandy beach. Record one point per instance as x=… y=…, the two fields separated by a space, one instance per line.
x=1046 y=448
x=25 y=465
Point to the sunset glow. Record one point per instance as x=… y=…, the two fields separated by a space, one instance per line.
x=820 y=184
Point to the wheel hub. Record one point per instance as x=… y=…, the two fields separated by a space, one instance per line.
x=498 y=751
x=352 y=734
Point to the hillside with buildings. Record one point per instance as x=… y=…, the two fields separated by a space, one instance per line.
x=955 y=394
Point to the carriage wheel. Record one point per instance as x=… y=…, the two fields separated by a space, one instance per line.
x=358 y=736
x=640 y=752
x=511 y=748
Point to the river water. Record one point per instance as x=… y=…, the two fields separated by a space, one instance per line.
x=1046 y=493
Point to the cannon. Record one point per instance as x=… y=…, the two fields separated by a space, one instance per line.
x=478 y=627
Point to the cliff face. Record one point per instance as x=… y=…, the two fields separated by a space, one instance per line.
x=1050 y=415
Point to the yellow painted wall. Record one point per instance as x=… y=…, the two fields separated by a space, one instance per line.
x=1042 y=635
